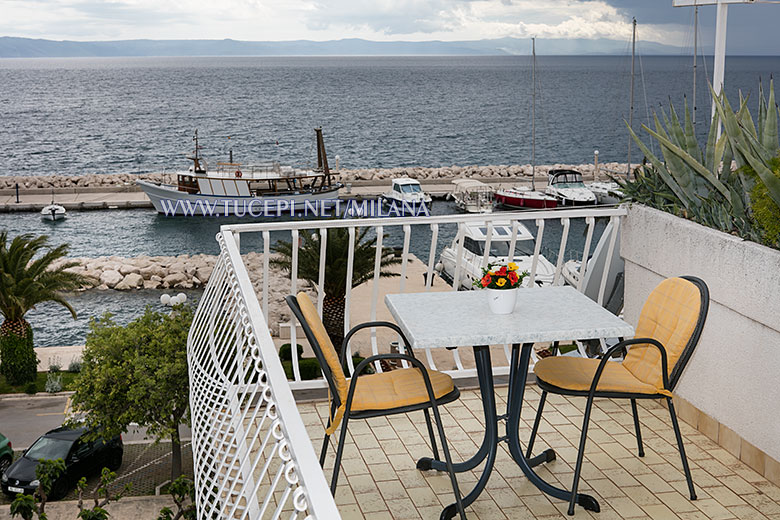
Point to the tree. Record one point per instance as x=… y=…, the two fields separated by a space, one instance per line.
x=101 y=496
x=337 y=249
x=182 y=490
x=137 y=374
x=26 y=281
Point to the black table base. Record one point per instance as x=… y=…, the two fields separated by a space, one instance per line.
x=518 y=375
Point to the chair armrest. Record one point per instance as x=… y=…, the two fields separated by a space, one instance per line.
x=625 y=343
x=363 y=364
x=387 y=324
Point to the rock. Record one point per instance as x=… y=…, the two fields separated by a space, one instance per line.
x=152 y=271
x=128 y=269
x=175 y=278
x=151 y=284
x=177 y=267
x=133 y=280
x=155 y=278
x=204 y=273
x=110 y=278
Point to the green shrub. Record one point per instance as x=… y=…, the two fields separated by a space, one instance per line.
x=19 y=361
x=53 y=383
x=766 y=213
x=285 y=352
x=310 y=368
x=74 y=366
x=54 y=364
x=31 y=388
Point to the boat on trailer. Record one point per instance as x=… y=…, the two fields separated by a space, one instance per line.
x=238 y=189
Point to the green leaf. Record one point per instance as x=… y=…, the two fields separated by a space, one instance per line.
x=691 y=145
x=769 y=138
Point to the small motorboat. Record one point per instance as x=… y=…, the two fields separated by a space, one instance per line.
x=472 y=196
x=606 y=192
x=406 y=190
x=53 y=212
x=568 y=188
x=522 y=197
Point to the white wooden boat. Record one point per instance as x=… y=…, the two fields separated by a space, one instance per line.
x=237 y=189
x=473 y=196
x=474 y=245
x=53 y=212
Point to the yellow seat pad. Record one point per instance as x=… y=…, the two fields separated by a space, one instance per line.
x=576 y=373
x=398 y=388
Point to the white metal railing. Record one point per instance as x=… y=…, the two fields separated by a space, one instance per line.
x=253 y=457
x=434 y=224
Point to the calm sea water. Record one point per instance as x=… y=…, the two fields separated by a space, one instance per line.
x=120 y=115
x=114 y=115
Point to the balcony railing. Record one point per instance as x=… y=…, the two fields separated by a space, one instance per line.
x=253 y=458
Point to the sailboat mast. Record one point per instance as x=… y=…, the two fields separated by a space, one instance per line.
x=533 y=116
x=631 y=107
x=695 y=55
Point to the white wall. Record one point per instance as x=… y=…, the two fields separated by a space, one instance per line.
x=734 y=374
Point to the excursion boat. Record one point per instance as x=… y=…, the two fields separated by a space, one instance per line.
x=568 y=188
x=606 y=192
x=237 y=189
x=523 y=197
x=472 y=196
x=406 y=190
x=474 y=245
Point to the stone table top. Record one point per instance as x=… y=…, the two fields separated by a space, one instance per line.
x=462 y=318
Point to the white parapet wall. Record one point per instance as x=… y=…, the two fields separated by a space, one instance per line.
x=734 y=374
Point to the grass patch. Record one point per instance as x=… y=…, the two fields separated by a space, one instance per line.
x=40 y=383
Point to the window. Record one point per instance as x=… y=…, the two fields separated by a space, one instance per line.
x=411 y=188
x=472 y=246
x=49 y=448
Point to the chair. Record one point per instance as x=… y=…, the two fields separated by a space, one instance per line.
x=669 y=328
x=372 y=395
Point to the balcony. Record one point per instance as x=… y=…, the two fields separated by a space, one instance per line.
x=256 y=433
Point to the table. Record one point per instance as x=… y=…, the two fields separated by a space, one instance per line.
x=462 y=318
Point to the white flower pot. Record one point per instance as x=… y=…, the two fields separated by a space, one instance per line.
x=502 y=301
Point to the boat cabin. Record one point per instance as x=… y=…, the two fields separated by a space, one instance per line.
x=406 y=185
x=566 y=179
x=475 y=240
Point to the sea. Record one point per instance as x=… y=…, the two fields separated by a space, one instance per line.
x=76 y=116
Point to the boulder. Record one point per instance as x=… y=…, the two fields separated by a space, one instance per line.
x=110 y=278
x=152 y=271
x=128 y=269
x=151 y=284
x=133 y=280
x=175 y=278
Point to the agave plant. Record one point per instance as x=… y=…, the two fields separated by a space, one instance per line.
x=700 y=183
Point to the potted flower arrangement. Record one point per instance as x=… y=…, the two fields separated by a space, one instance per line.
x=501 y=282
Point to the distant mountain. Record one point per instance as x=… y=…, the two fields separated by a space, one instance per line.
x=12 y=47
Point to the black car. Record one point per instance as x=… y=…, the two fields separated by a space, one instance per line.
x=81 y=457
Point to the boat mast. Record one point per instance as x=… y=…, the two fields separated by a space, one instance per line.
x=631 y=107
x=533 y=116
x=695 y=56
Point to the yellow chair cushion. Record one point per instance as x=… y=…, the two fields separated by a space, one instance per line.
x=669 y=316
x=398 y=388
x=576 y=374
x=312 y=318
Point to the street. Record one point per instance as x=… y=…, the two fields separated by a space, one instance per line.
x=24 y=419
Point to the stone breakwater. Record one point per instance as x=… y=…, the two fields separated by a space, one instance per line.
x=367 y=174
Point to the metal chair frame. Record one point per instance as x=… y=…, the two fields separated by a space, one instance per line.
x=669 y=382
x=432 y=403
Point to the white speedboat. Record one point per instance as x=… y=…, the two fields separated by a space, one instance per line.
x=474 y=242
x=472 y=196
x=606 y=192
x=568 y=188
x=237 y=189
x=53 y=212
x=406 y=190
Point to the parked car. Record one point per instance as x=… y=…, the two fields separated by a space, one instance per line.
x=82 y=458
x=6 y=453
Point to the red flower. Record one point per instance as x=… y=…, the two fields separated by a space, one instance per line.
x=502 y=271
x=486 y=280
x=512 y=277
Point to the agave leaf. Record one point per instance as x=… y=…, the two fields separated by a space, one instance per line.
x=675 y=128
x=731 y=127
x=661 y=169
x=693 y=163
x=711 y=157
x=762 y=108
x=769 y=134
x=770 y=180
x=691 y=145
x=685 y=177
x=745 y=119
x=727 y=157
x=737 y=204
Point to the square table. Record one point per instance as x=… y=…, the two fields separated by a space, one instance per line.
x=462 y=318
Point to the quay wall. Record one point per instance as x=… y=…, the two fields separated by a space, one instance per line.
x=730 y=388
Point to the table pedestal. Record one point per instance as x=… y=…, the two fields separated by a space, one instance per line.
x=518 y=375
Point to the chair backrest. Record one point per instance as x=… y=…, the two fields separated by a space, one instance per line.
x=674 y=314
x=305 y=311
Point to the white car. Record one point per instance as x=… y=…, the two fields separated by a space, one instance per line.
x=474 y=242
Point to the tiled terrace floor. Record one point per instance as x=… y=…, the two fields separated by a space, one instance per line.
x=379 y=479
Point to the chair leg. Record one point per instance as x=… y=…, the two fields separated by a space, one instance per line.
x=580 y=456
x=324 y=450
x=448 y=461
x=639 y=445
x=339 y=452
x=529 y=450
x=431 y=435
x=680 y=447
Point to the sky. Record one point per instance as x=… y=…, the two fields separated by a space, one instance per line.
x=752 y=28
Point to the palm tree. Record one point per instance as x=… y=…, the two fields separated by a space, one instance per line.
x=26 y=281
x=335 y=286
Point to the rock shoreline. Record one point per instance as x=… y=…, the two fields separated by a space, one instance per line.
x=364 y=174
